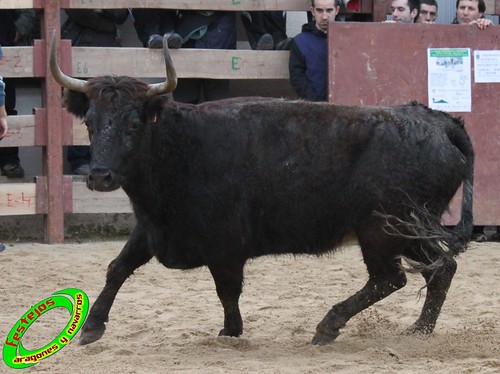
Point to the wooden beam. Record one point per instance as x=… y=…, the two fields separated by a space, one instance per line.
x=89 y=62
x=86 y=201
x=53 y=152
x=21 y=132
x=194 y=63
x=80 y=134
x=19 y=4
x=17 y=62
x=17 y=199
x=231 y=5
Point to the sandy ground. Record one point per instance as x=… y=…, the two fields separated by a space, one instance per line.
x=167 y=320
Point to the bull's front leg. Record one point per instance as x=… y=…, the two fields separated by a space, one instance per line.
x=133 y=255
x=229 y=282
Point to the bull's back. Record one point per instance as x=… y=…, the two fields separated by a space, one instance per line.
x=298 y=176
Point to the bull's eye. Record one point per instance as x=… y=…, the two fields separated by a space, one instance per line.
x=132 y=127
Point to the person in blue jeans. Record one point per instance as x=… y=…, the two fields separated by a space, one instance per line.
x=16 y=26
x=3 y=114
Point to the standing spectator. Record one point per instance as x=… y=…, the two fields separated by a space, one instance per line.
x=3 y=114
x=15 y=29
x=471 y=12
x=266 y=30
x=308 y=63
x=428 y=11
x=196 y=29
x=90 y=28
x=405 y=11
x=152 y=24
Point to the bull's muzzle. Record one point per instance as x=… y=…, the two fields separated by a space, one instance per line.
x=102 y=180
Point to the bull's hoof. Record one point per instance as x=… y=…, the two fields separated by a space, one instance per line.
x=91 y=335
x=324 y=338
x=226 y=332
x=417 y=328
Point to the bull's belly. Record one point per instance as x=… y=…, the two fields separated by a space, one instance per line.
x=174 y=259
x=174 y=253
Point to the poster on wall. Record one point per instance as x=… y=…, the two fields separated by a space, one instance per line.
x=487 y=66
x=449 y=79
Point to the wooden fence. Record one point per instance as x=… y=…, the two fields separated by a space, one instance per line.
x=53 y=194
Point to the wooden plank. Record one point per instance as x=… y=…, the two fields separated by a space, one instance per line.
x=21 y=132
x=194 y=63
x=231 y=5
x=389 y=67
x=86 y=201
x=148 y=63
x=17 y=199
x=80 y=134
x=17 y=4
x=17 y=62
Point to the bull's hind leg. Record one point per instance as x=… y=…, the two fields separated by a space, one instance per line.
x=229 y=282
x=438 y=284
x=385 y=277
x=133 y=255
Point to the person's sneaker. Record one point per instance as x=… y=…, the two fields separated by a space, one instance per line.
x=82 y=170
x=479 y=237
x=265 y=43
x=174 y=40
x=284 y=45
x=155 y=41
x=13 y=170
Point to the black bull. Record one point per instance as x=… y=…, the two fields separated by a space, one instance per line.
x=219 y=183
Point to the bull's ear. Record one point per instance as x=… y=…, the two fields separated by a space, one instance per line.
x=152 y=109
x=76 y=103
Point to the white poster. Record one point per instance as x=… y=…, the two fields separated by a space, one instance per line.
x=487 y=66
x=449 y=79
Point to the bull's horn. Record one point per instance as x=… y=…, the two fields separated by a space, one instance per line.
x=64 y=80
x=171 y=81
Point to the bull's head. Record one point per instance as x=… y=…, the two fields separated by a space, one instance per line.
x=113 y=109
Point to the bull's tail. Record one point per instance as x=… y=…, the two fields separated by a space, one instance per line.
x=463 y=230
x=438 y=242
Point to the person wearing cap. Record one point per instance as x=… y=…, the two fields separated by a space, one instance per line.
x=308 y=64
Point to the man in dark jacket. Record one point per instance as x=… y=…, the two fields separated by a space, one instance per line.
x=190 y=29
x=308 y=63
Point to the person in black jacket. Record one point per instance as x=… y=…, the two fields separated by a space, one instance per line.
x=266 y=30
x=308 y=63
x=90 y=28
x=190 y=29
